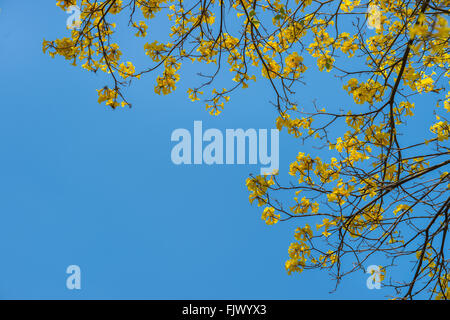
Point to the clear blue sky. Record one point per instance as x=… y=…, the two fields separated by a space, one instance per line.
x=82 y=184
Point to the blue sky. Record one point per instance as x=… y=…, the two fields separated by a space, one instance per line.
x=83 y=184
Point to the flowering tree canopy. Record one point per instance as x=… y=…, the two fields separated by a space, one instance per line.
x=383 y=188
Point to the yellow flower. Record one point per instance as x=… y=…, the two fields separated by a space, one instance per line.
x=269 y=216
